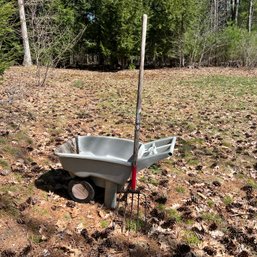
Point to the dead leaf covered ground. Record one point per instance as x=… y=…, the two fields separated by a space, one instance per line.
x=202 y=201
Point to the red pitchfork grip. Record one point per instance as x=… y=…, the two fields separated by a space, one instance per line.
x=133 y=177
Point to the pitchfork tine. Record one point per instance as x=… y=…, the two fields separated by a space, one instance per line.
x=131 y=211
x=125 y=209
x=138 y=199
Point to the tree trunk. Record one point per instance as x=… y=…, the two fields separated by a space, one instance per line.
x=236 y=11
x=215 y=15
x=233 y=13
x=27 y=56
x=250 y=15
x=228 y=11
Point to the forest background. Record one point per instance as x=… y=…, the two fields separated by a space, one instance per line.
x=105 y=34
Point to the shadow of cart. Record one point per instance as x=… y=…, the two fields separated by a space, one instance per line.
x=56 y=181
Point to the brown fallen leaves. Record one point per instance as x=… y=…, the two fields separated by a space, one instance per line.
x=201 y=202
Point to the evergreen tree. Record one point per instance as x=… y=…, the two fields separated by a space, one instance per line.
x=115 y=29
x=169 y=20
x=9 y=48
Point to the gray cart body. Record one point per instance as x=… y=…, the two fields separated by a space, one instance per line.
x=107 y=160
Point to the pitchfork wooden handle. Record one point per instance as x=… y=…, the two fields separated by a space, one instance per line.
x=138 y=108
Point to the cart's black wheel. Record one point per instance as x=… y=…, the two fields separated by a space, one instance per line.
x=81 y=191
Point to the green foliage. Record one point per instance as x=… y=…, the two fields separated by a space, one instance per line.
x=180 y=32
x=201 y=39
x=168 y=23
x=9 y=47
x=115 y=29
x=241 y=46
x=132 y=66
x=51 y=30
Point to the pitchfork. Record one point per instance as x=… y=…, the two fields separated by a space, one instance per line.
x=131 y=193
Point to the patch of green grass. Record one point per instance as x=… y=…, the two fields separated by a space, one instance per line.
x=9 y=209
x=191 y=238
x=170 y=212
x=180 y=189
x=143 y=179
x=13 y=150
x=57 y=126
x=29 y=188
x=240 y=175
x=227 y=200
x=35 y=238
x=155 y=169
x=43 y=212
x=3 y=141
x=67 y=216
x=161 y=207
x=252 y=183
x=153 y=181
x=82 y=114
x=174 y=214
x=189 y=222
x=19 y=178
x=78 y=84
x=186 y=149
x=224 y=229
x=191 y=126
x=227 y=143
x=149 y=180
x=211 y=217
x=30 y=159
x=23 y=136
x=193 y=162
x=135 y=225
x=4 y=164
x=237 y=86
x=210 y=203
x=24 y=191
x=55 y=131
x=178 y=171
x=196 y=141
x=12 y=188
x=104 y=223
